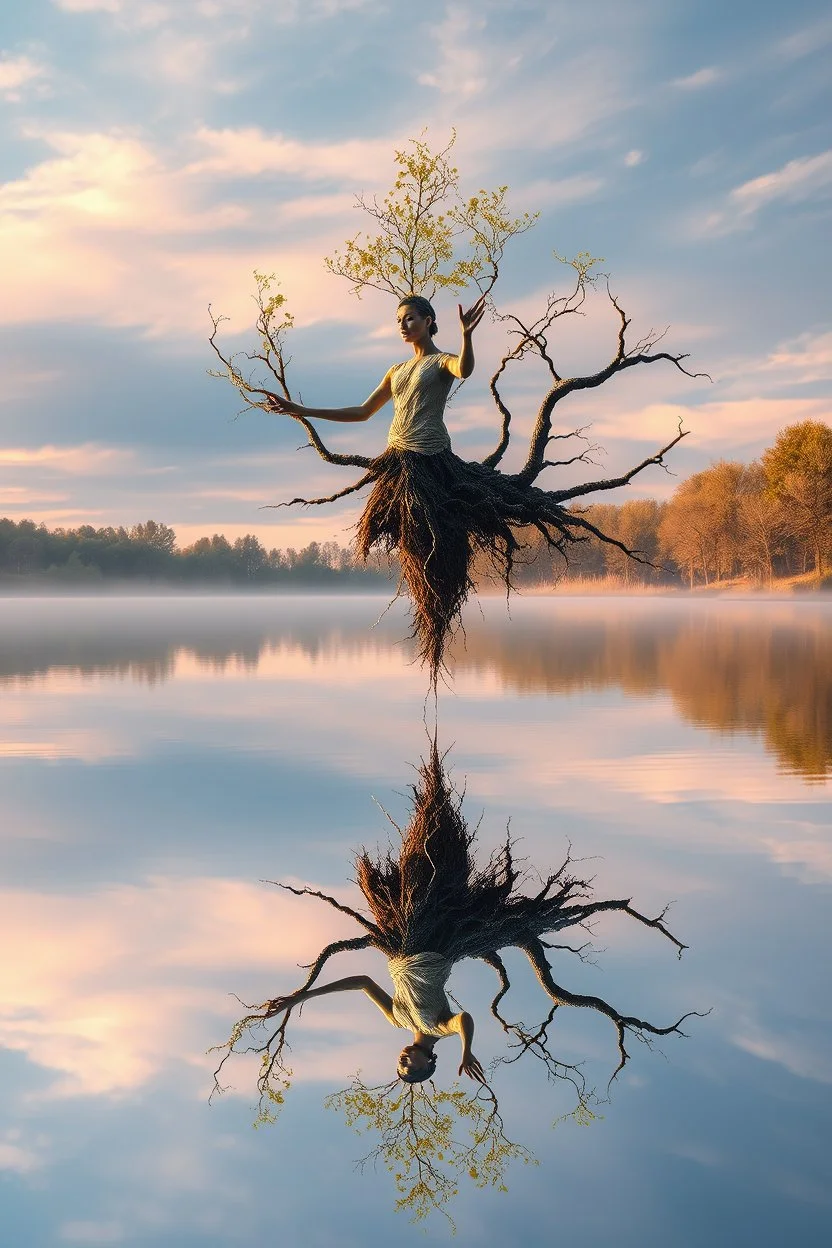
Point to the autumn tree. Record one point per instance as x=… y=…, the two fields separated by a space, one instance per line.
x=798 y=471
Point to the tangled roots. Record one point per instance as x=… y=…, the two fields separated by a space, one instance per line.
x=439 y=514
x=432 y=894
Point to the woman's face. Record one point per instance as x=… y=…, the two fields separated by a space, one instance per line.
x=412 y=326
x=413 y=1061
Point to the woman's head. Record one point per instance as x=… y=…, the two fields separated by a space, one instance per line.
x=416 y=1064
x=421 y=315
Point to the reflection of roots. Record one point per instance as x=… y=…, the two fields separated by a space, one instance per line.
x=432 y=895
x=438 y=513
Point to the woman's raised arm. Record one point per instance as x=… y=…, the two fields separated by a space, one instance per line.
x=464 y=1024
x=463 y=365
x=343 y=415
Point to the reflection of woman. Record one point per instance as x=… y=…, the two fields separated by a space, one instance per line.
x=431 y=907
x=427 y=904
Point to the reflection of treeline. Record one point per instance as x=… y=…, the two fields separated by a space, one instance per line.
x=149 y=551
x=771 y=518
x=733 y=669
x=758 y=673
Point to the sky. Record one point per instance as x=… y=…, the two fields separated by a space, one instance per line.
x=154 y=154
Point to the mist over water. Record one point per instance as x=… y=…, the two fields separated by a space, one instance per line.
x=159 y=758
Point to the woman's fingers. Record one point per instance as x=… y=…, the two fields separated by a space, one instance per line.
x=472 y=1068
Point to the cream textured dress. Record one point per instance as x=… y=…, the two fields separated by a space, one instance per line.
x=419 y=1000
x=420 y=390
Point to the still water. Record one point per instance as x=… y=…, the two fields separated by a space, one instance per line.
x=161 y=758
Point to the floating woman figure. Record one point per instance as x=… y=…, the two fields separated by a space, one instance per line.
x=431 y=906
x=418 y=504
x=446 y=519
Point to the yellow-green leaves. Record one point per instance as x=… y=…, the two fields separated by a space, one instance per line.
x=429 y=237
x=429 y=1138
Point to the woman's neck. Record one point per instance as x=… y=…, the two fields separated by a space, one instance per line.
x=423 y=1041
x=421 y=349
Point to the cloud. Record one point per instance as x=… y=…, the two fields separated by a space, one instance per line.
x=798 y=180
x=462 y=67
x=107 y=986
x=795 y=181
x=93 y=6
x=17 y=1156
x=87 y=460
x=810 y=39
x=251 y=151
x=719 y=425
x=552 y=192
x=702 y=78
x=634 y=158
x=793 y=1051
x=805 y=359
x=17 y=72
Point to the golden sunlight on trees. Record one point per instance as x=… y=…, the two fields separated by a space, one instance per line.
x=798 y=473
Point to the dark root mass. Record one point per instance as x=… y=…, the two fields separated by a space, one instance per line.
x=441 y=515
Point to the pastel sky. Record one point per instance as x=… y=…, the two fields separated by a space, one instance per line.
x=155 y=153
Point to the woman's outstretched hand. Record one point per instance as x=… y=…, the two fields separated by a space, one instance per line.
x=470 y=320
x=284 y=407
x=472 y=1068
x=278 y=1004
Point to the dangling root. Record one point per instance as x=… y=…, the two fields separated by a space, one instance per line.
x=439 y=513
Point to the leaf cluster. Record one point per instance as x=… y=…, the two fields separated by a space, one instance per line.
x=430 y=237
x=430 y=1138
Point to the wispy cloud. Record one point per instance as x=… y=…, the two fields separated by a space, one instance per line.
x=88 y=459
x=802 y=360
x=799 y=180
x=17 y=73
x=811 y=38
x=17 y=1155
x=795 y=181
x=704 y=77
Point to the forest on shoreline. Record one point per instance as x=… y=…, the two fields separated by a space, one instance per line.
x=760 y=523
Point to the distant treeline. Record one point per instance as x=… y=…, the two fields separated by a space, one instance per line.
x=764 y=520
x=760 y=521
x=149 y=551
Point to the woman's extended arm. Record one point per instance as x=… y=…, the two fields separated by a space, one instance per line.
x=463 y=365
x=464 y=1024
x=344 y=415
x=352 y=983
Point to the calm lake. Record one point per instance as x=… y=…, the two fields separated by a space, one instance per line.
x=161 y=758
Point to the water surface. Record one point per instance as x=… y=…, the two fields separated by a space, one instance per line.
x=160 y=758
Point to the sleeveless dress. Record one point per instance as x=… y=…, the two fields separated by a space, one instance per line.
x=420 y=389
x=419 y=1000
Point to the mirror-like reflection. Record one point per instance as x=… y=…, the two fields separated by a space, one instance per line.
x=758 y=666
x=429 y=906
x=139 y=819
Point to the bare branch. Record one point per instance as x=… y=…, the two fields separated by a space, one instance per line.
x=338 y=905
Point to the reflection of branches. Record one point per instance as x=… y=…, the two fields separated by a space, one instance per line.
x=535 y=952
x=433 y=896
x=419 y=1139
x=274 y=1076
